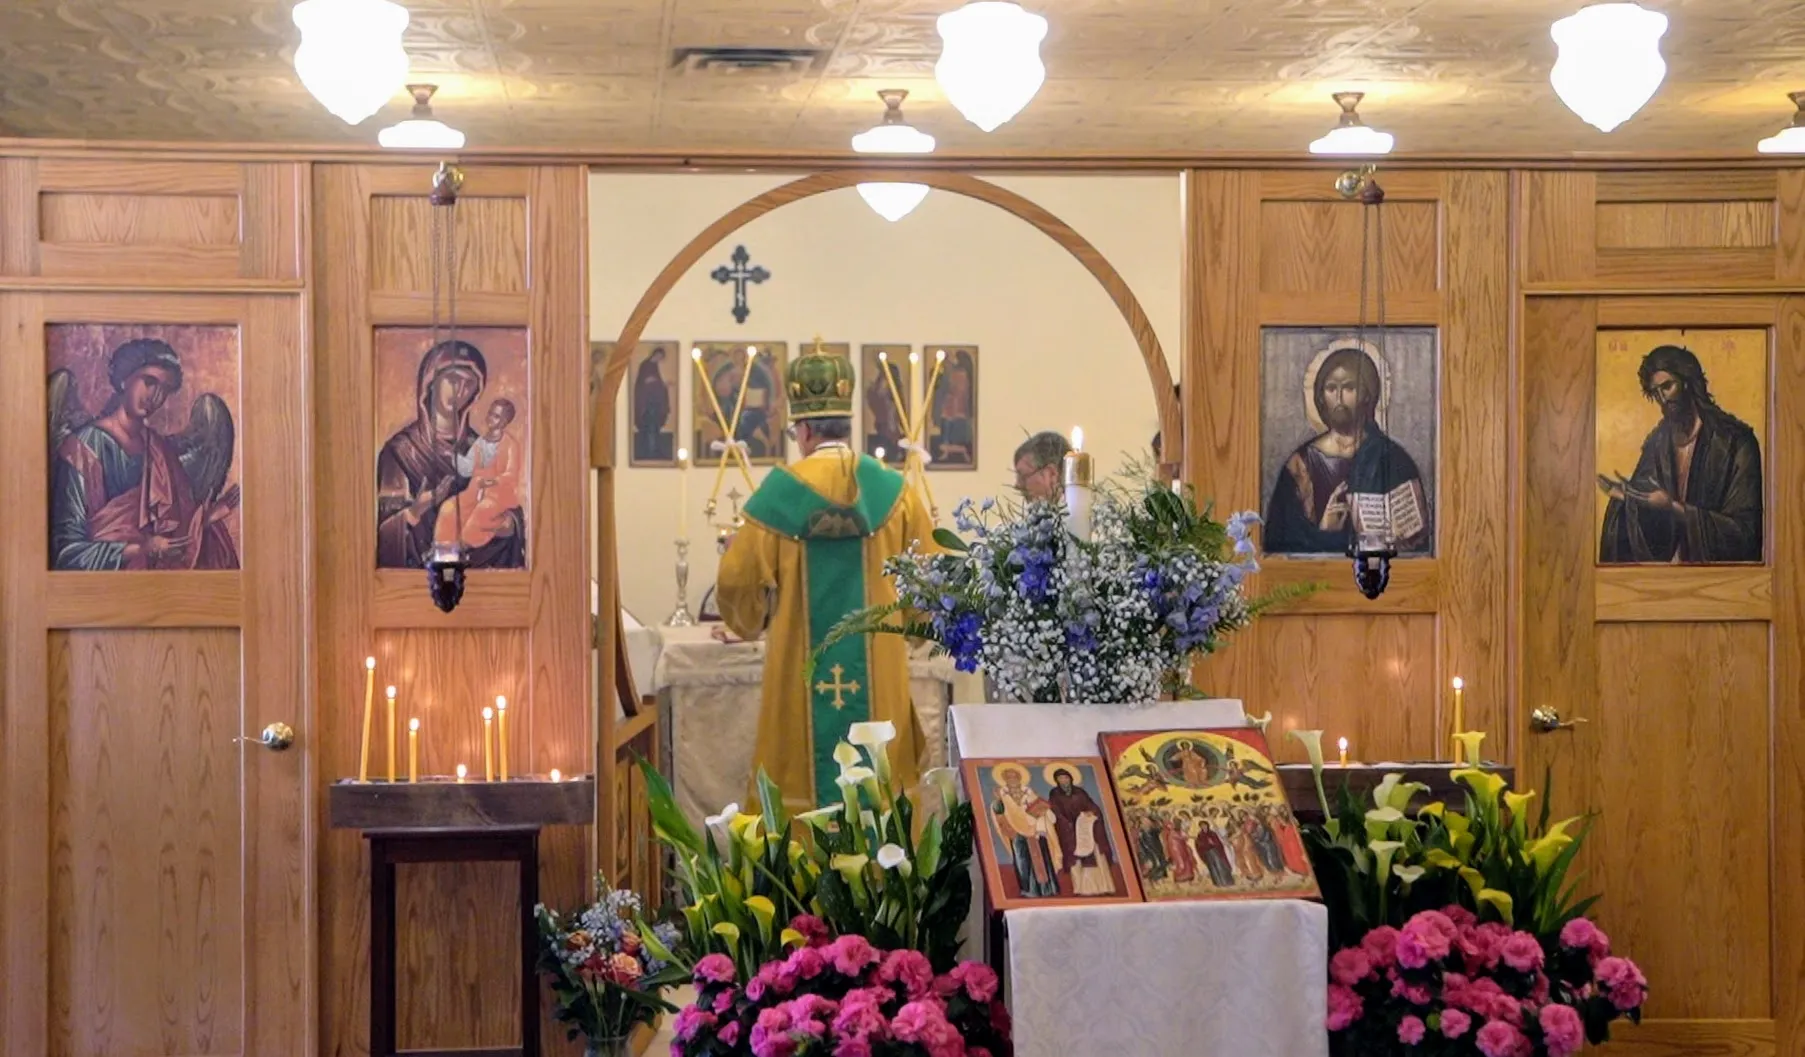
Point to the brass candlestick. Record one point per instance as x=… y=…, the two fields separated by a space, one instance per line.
x=681 y=618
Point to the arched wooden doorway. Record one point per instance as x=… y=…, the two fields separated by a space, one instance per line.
x=612 y=736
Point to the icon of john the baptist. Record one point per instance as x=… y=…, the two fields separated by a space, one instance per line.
x=417 y=472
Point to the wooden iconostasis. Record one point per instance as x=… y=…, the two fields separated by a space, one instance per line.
x=263 y=326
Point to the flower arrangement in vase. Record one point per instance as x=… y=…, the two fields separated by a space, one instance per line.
x=608 y=970
x=1458 y=932
x=874 y=894
x=1114 y=617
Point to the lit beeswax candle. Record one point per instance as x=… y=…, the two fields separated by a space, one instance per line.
x=1079 y=474
x=1341 y=744
x=501 y=735
x=391 y=696
x=1460 y=718
x=363 y=751
x=556 y=777
x=488 y=745
x=413 y=750
x=462 y=772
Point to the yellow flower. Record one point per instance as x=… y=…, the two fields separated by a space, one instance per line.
x=1408 y=874
x=1469 y=740
x=792 y=938
x=1434 y=807
x=764 y=912
x=744 y=827
x=1312 y=743
x=729 y=931
x=1518 y=805
x=1548 y=847
x=1384 y=850
x=1393 y=792
x=1441 y=860
x=1499 y=900
x=1380 y=820
x=1485 y=785
x=850 y=867
x=1474 y=879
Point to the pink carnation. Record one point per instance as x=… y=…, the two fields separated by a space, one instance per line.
x=924 y=1023
x=1562 y=1030
x=1498 y=1039
x=1483 y=945
x=1350 y=966
x=724 y=1001
x=692 y=1021
x=804 y=964
x=861 y=1014
x=730 y=1033
x=1381 y=946
x=1415 y=994
x=813 y=929
x=1454 y=1023
x=715 y=969
x=1522 y=952
x=852 y=1046
x=977 y=979
x=1345 y=1007
x=1623 y=982
x=1410 y=1031
x=851 y=954
x=911 y=970
x=1582 y=934
x=1413 y=953
x=771 y=1035
x=1460 y=916
x=1433 y=930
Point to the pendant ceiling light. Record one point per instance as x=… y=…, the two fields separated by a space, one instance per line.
x=1352 y=136
x=351 y=57
x=1791 y=139
x=990 y=63
x=1610 y=62
x=893 y=135
x=421 y=131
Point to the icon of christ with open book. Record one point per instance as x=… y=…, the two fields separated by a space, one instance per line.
x=1351 y=478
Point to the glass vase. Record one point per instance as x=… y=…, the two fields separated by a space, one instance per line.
x=613 y=1047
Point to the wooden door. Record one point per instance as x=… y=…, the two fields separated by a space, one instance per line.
x=1681 y=681
x=157 y=880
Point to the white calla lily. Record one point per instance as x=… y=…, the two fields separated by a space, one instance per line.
x=892 y=857
x=846 y=756
x=1407 y=874
x=720 y=825
x=872 y=735
x=945 y=782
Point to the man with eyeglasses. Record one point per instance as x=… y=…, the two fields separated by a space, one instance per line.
x=1038 y=465
x=812 y=552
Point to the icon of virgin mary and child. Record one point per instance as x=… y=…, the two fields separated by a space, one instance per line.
x=442 y=479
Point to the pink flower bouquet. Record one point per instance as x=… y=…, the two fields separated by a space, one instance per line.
x=843 y=998
x=1446 y=984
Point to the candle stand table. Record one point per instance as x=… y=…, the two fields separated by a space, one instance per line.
x=443 y=820
x=1360 y=778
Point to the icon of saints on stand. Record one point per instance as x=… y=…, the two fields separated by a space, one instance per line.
x=1049 y=832
x=1206 y=815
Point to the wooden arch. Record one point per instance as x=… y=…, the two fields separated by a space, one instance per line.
x=616 y=736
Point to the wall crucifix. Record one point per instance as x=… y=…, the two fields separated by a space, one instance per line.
x=739 y=272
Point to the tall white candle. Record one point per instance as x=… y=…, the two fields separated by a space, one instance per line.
x=683 y=495
x=1078 y=480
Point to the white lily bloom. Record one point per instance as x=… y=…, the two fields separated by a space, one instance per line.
x=720 y=825
x=892 y=857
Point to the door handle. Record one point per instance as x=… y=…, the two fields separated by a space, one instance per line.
x=1547 y=720
x=276 y=737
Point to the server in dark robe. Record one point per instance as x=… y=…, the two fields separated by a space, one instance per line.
x=1311 y=510
x=1696 y=493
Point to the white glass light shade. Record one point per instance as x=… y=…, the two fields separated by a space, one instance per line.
x=1789 y=140
x=893 y=201
x=1353 y=140
x=893 y=139
x=1610 y=62
x=990 y=64
x=414 y=133
x=351 y=57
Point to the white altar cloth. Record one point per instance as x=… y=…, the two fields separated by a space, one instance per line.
x=710 y=693
x=1194 y=979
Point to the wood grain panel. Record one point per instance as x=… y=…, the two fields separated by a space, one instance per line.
x=273 y=205
x=146 y=896
x=1371 y=680
x=144 y=600
x=1692 y=1038
x=1307 y=247
x=474 y=309
x=1560 y=243
x=1416 y=585
x=18 y=202
x=1704 y=688
x=1559 y=652
x=1688 y=310
x=1790 y=263
x=1685 y=267
x=93 y=260
x=492 y=599
x=1628 y=594
x=1664 y=225
x=1478 y=406
x=140 y=176
x=1788 y=753
x=1341 y=308
x=491 y=243
x=25 y=744
x=1318 y=185
x=1221 y=329
x=1699 y=185
x=139 y=220
x=456 y=970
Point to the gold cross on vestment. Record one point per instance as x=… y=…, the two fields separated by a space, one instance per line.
x=836 y=687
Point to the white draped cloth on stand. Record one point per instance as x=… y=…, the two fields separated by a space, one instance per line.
x=1246 y=978
x=711 y=694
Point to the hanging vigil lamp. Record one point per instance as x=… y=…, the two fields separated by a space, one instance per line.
x=447 y=560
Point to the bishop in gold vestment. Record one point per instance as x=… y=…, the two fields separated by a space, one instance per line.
x=813 y=550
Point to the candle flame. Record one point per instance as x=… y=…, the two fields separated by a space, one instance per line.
x=556 y=777
x=751 y=351
x=391 y=693
x=878 y=454
x=413 y=726
x=695 y=353
x=914 y=357
x=1341 y=743
x=370 y=663
x=488 y=714
x=1077 y=438
x=462 y=771
x=501 y=703
x=682 y=455
x=883 y=357
x=1459 y=683
x=940 y=357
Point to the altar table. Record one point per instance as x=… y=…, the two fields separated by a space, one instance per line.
x=1247 y=978
x=710 y=693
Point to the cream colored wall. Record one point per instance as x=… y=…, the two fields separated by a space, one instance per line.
x=1053 y=350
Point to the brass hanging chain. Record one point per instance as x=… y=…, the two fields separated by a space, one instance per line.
x=443 y=265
